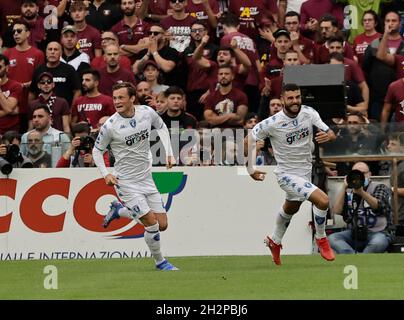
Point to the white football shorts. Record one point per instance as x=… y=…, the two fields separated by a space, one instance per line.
x=297 y=188
x=140 y=197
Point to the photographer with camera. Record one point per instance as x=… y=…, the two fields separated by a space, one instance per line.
x=79 y=154
x=365 y=207
x=10 y=155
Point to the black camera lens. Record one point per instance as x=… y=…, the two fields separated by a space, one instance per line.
x=355 y=179
x=5 y=167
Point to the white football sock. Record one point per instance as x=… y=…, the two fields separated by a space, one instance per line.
x=281 y=224
x=152 y=238
x=320 y=217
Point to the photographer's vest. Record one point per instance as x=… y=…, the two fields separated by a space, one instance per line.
x=366 y=217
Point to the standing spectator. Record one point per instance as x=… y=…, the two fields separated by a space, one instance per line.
x=107 y=38
x=370 y=21
x=9 y=12
x=379 y=75
x=59 y=108
x=71 y=55
x=130 y=30
x=113 y=73
x=366 y=210
x=281 y=45
x=230 y=26
x=394 y=103
x=159 y=50
x=198 y=77
x=93 y=105
x=89 y=37
x=10 y=95
x=102 y=14
x=179 y=25
x=67 y=83
x=227 y=106
x=249 y=13
x=206 y=12
x=23 y=60
x=35 y=152
x=311 y=12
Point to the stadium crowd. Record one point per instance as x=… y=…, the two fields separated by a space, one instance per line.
x=205 y=65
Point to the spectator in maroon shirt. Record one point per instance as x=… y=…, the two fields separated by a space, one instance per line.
x=107 y=38
x=179 y=25
x=93 y=105
x=153 y=11
x=305 y=45
x=250 y=12
x=227 y=106
x=59 y=108
x=9 y=11
x=394 y=102
x=370 y=21
x=88 y=36
x=10 y=94
x=23 y=58
x=312 y=10
x=230 y=24
x=328 y=29
x=391 y=30
x=352 y=70
x=130 y=30
x=113 y=73
x=206 y=12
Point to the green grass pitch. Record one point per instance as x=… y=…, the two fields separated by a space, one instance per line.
x=380 y=276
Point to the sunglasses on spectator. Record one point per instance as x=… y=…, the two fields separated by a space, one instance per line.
x=198 y=30
x=174 y=1
x=45 y=82
x=154 y=33
x=18 y=31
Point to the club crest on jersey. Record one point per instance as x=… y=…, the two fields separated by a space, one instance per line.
x=132 y=123
x=294 y=122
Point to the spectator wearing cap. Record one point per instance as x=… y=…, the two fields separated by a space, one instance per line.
x=93 y=105
x=71 y=55
x=282 y=44
x=23 y=58
x=67 y=82
x=159 y=51
x=113 y=73
x=152 y=75
x=102 y=14
x=89 y=38
x=10 y=95
x=107 y=38
x=58 y=107
x=130 y=30
x=230 y=24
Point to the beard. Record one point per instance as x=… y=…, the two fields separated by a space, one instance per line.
x=225 y=83
x=288 y=108
x=34 y=150
x=129 y=13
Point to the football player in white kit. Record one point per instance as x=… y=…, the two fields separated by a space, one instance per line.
x=127 y=133
x=291 y=132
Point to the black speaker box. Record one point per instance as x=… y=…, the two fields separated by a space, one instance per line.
x=322 y=87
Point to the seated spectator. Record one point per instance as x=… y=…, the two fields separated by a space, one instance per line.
x=365 y=207
x=79 y=154
x=35 y=152
x=250 y=120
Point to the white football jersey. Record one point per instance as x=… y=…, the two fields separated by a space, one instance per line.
x=291 y=139
x=129 y=142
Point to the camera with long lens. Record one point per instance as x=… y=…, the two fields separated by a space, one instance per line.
x=12 y=156
x=355 y=179
x=86 y=144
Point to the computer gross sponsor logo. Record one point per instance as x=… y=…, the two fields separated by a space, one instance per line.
x=84 y=204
